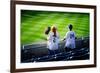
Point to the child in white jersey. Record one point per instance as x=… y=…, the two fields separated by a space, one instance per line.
x=69 y=39
x=53 y=40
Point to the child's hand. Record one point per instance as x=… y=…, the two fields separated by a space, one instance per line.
x=63 y=39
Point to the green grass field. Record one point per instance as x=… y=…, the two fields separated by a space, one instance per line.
x=34 y=23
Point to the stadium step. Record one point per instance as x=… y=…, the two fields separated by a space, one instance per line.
x=39 y=52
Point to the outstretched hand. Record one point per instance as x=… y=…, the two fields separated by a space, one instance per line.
x=63 y=39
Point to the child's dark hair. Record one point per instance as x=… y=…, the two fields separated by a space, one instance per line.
x=70 y=26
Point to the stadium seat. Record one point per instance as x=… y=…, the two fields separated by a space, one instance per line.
x=39 y=52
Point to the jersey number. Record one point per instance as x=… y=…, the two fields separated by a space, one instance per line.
x=71 y=36
x=54 y=39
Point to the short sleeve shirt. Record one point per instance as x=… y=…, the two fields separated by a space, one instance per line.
x=70 y=39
